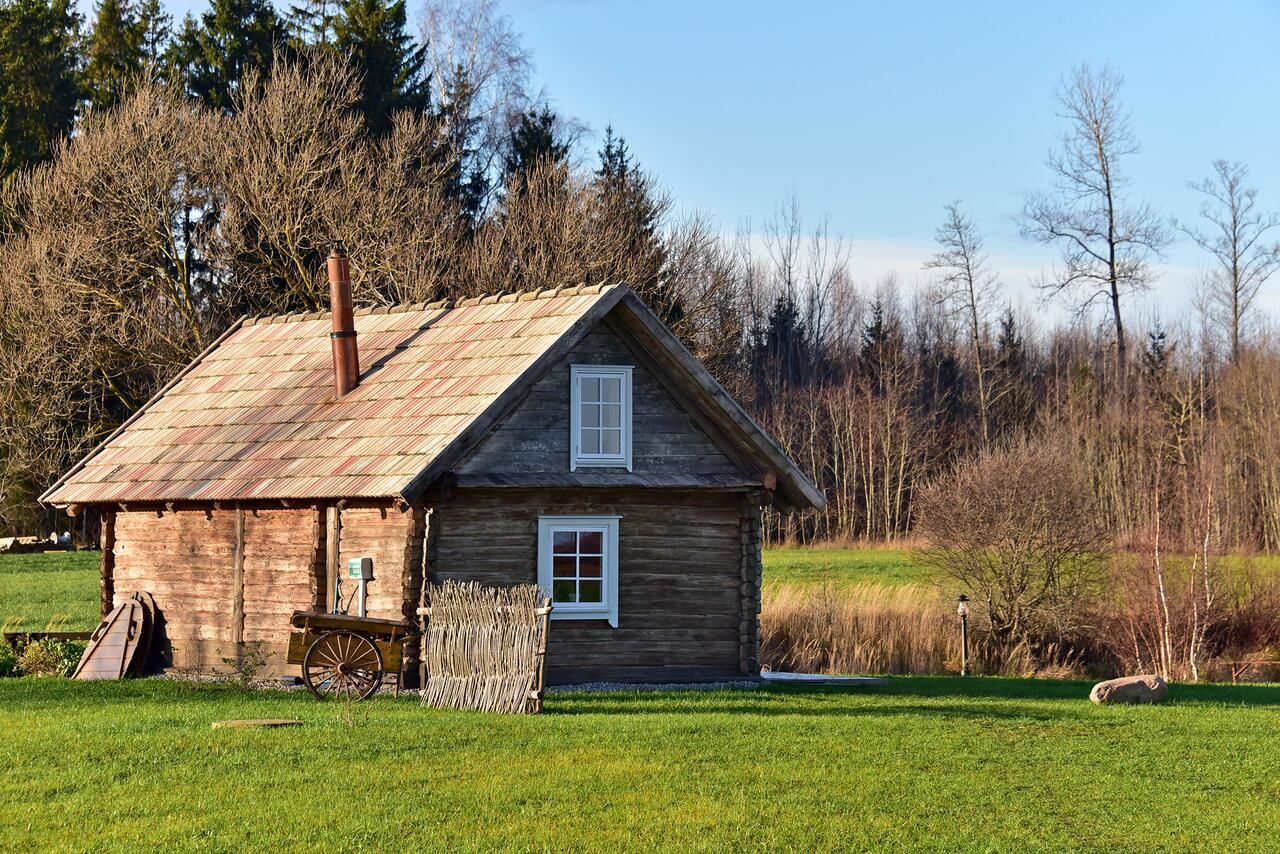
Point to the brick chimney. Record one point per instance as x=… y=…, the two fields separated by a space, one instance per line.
x=346 y=355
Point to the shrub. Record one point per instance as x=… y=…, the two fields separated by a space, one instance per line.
x=8 y=660
x=1019 y=530
x=50 y=657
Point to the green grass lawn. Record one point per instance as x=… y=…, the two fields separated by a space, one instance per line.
x=38 y=588
x=843 y=566
x=924 y=764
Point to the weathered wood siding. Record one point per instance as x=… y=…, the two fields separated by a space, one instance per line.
x=534 y=438
x=680 y=578
x=210 y=600
x=394 y=541
x=185 y=559
x=281 y=560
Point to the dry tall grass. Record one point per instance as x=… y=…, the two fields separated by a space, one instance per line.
x=872 y=628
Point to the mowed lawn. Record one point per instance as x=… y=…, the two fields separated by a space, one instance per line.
x=924 y=764
x=56 y=587
x=845 y=566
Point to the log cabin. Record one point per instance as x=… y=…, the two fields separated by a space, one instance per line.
x=563 y=436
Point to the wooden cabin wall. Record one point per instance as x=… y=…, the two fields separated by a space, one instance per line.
x=684 y=611
x=394 y=540
x=185 y=560
x=222 y=579
x=534 y=438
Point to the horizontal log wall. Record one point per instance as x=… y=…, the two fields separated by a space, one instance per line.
x=680 y=591
x=208 y=598
x=387 y=536
x=535 y=436
x=186 y=560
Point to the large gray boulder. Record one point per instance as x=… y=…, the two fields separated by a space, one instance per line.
x=1131 y=689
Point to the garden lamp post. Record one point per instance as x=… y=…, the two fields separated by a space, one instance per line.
x=962 y=608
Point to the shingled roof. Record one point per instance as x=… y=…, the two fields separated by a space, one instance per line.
x=254 y=417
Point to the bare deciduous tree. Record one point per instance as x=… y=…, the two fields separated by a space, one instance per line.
x=1107 y=241
x=1237 y=238
x=967 y=288
x=1019 y=530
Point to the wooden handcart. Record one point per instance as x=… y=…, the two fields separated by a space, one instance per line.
x=348 y=657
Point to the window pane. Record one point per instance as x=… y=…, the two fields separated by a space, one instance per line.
x=590 y=591
x=612 y=389
x=590 y=388
x=564 y=591
x=590 y=441
x=612 y=442
x=612 y=415
x=592 y=542
x=563 y=566
x=589 y=567
x=564 y=542
x=591 y=415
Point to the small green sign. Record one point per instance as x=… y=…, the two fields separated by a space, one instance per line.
x=353 y=569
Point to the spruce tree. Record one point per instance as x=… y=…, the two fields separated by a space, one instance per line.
x=114 y=52
x=311 y=22
x=531 y=142
x=155 y=29
x=629 y=204
x=39 y=78
x=465 y=181
x=232 y=39
x=374 y=36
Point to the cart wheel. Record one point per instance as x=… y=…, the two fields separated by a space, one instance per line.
x=343 y=665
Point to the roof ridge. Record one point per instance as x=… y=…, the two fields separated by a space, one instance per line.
x=445 y=304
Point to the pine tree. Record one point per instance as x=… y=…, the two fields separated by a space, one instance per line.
x=233 y=38
x=531 y=142
x=465 y=180
x=312 y=22
x=39 y=78
x=114 y=53
x=374 y=35
x=155 y=28
x=629 y=203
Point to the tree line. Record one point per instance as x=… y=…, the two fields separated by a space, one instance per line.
x=162 y=179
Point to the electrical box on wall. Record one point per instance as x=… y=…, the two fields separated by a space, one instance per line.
x=360 y=569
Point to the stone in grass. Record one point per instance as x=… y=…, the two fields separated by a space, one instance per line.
x=270 y=723
x=1131 y=689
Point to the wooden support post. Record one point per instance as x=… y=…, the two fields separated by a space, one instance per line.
x=430 y=537
x=332 y=544
x=237 y=584
x=107 y=583
x=752 y=569
x=411 y=583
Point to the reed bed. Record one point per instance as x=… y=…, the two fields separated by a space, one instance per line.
x=871 y=628
x=485 y=647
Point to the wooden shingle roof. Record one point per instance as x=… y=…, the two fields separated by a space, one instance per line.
x=255 y=416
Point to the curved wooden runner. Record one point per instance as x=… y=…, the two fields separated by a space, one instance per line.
x=114 y=644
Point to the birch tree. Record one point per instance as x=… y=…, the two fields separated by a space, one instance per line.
x=1107 y=241
x=967 y=288
x=1243 y=240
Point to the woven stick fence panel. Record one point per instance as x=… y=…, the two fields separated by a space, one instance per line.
x=485 y=647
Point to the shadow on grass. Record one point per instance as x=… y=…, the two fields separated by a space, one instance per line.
x=902 y=695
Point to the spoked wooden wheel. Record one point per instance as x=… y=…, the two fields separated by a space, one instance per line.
x=342 y=665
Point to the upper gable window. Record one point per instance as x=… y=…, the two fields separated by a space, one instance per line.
x=600 y=419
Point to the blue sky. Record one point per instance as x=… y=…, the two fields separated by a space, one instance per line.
x=877 y=114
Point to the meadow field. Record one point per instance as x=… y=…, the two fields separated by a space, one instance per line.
x=921 y=764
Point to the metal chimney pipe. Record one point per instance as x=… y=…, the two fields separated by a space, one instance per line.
x=346 y=355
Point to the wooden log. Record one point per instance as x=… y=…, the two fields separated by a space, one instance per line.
x=237 y=582
x=106 y=571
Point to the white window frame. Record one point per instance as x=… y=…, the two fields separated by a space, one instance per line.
x=577 y=459
x=608 y=525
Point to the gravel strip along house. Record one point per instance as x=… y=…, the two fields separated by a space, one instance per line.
x=563 y=436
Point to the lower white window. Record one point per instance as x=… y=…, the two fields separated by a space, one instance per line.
x=578 y=566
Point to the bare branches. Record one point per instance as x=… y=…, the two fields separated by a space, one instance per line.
x=1241 y=239
x=968 y=288
x=1107 y=242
